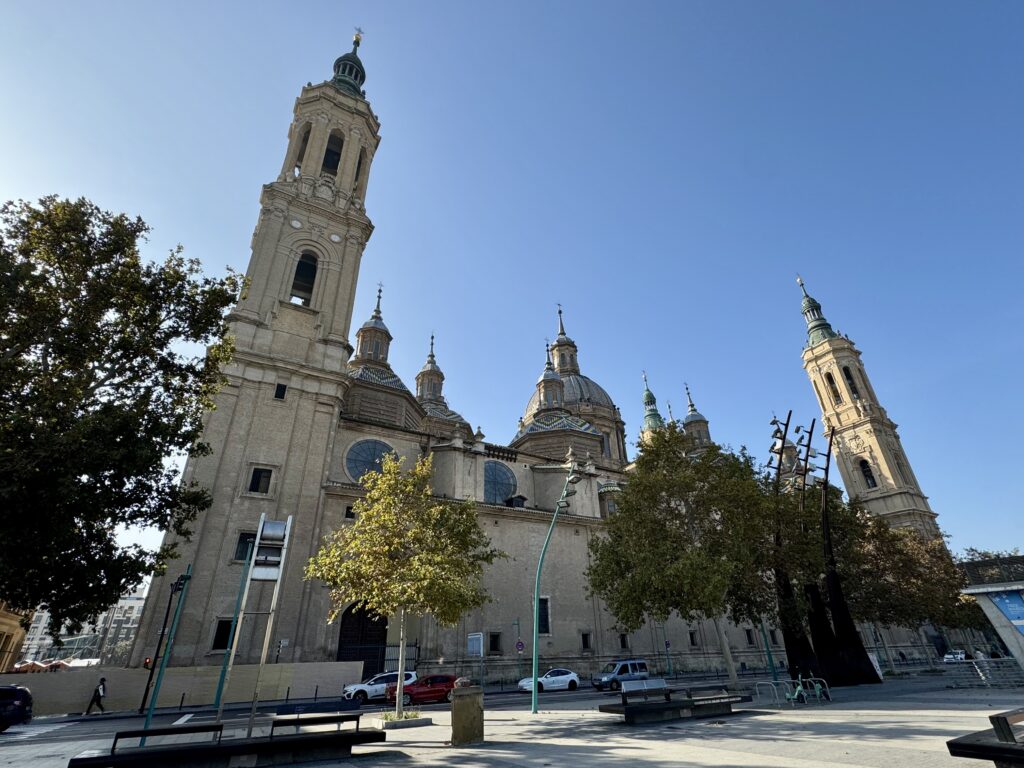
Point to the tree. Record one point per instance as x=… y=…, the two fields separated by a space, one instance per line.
x=685 y=538
x=407 y=552
x=98 y=392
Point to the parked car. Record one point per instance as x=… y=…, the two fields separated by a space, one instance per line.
x=955 y=655
x=429 y=688
x=15 y=706
x=615 y=672
x=552 y=680
x=376 y=686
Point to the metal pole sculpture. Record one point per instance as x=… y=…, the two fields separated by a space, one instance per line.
x=182 y=586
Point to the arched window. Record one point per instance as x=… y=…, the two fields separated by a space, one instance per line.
x=499 y=483
x=869 y=476
x=848 y=375
x=305 y=276
x=332 y=155
x=837 y=398
x=366 y=456
x=561 y=359
x=357 y=184
x=302 y=151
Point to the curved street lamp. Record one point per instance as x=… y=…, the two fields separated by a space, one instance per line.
x=571 y=479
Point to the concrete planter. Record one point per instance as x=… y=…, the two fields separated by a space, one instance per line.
x=392 y=725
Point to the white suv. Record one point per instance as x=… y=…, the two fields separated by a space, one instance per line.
x=376 y=686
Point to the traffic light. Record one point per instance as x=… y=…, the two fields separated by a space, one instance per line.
x=147 y=663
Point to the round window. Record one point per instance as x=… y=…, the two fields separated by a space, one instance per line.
x=499 y=483
x=366 y=456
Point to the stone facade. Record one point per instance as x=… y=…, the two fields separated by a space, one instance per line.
x=306 y=412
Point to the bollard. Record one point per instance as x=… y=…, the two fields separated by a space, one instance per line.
x=467 y=716
x=182 y=702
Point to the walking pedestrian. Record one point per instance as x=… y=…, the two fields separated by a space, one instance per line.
x=97 y=696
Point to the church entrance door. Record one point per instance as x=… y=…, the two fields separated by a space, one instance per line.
x=363 y=637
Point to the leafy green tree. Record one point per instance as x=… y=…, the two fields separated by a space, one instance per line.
x=687 y=537
x=98 y=391
x=407 y=552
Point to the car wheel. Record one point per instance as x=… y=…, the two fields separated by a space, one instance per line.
x=450 y=695
x=572 y=685
x=540 y=687
x=360 y=696
x=615 y=685
x=406 y=699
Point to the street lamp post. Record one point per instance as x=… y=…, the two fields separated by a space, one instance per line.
x=571 y=479
x=176 y=587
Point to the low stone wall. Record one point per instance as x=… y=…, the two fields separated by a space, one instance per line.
x=69 y=690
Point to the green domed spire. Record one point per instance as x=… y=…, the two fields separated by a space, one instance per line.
x=818 y=328
x=652 y=419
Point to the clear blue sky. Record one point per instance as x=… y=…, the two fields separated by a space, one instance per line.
x=661 y=169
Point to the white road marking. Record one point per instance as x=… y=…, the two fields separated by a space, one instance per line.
x=182 y=720
x=19 y=732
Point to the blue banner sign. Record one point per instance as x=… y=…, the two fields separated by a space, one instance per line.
x=1012 y=606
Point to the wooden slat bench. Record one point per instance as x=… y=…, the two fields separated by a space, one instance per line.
x=300 y=721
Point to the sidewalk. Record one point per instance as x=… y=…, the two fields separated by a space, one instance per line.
x=901 y=724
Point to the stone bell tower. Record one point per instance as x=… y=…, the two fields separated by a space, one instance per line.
x=867 y=448
x=271 y=429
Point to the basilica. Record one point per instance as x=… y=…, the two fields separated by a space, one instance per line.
x=310 y=406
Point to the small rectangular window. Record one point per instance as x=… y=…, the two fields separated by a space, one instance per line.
x=494 y=642
x=260 y=482
x=773 y=637
x=222 y=635
x=624 y=642
x=349 y=514
x=585 y=641
x=245 y=540
x=279 y=391
x=693 y=639
x=544 y=617
x=750 y=636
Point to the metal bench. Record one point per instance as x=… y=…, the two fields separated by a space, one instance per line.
x=1000 y=745
x=299 y=721
x=646 y=701
x=282 y=749
x=712 y=700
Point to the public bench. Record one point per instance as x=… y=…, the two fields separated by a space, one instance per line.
x=650 y=701
x=280 y=749
x=1001 y=745
x=298 y=721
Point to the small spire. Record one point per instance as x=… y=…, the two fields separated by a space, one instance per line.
x=644 y=374
x=670 y=416
x=691 y=408
x=561 y=326
x=800 y=282
x=431 y=355
x=818 y=328
x=380 y=291
x=357 y=38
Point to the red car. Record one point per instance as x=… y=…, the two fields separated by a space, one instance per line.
x=429 y=688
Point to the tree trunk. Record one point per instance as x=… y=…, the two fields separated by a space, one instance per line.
x=401 y=664
x=723 y=643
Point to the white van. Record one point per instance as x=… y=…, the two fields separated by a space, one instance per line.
x=615 y=672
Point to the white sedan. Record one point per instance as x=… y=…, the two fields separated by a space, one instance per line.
x=552 y=680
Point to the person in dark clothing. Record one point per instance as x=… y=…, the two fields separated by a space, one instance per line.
x=97 y=696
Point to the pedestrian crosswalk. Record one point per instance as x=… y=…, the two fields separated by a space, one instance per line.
x=30 y=731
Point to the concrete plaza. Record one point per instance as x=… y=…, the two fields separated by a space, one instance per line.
x=901 y=724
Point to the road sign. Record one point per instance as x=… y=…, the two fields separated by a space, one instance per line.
x=520 y=646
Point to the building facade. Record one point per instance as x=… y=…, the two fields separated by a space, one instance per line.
x=108 y=639
x=309 y=407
